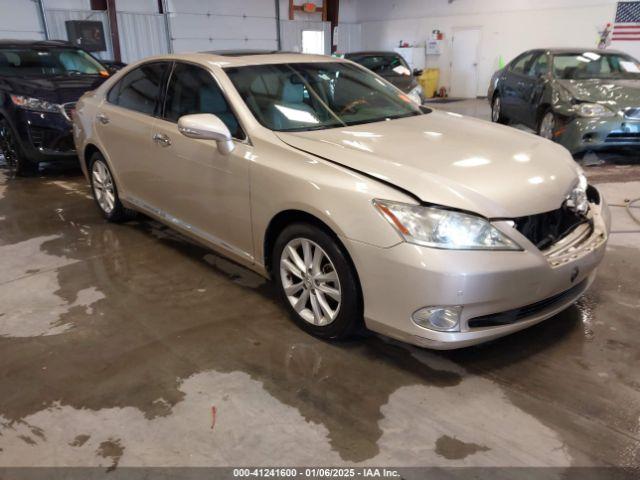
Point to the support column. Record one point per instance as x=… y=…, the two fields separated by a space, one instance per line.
x=113 y=26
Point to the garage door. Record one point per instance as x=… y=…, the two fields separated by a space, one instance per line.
x=200 y=25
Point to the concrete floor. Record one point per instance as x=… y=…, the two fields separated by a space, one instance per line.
x=127 y=345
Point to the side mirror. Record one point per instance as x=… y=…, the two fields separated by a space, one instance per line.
x=206 y=126
x=417 y=72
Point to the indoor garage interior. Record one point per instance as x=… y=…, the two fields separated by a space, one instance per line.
x=405 y=241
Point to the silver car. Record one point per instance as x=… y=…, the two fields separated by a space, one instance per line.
x=365 y=208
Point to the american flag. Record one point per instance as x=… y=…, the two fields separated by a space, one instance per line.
x=627 y=25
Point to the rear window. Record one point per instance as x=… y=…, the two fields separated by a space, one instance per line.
x=139 y=90
x=384 y=64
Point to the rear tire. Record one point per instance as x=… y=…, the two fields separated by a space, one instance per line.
x=105 y=192
x=496 y=111
x=318 y=282
x=14 y=156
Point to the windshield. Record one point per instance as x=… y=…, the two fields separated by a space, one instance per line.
x=48 y=62
x=383 y=64
x=314 y=96
x=575 y=66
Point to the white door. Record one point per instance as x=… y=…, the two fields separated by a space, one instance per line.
x=464 y=62
x=313 y=42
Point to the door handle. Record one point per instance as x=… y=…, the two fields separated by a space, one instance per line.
x=102 y=118
x=162 y=139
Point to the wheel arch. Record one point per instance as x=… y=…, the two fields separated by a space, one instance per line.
x=541 y=110
x=283 y=219
x=88 y=152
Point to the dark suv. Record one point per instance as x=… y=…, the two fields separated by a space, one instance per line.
x=40 y=81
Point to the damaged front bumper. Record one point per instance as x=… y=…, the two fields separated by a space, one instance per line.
x=581 y=135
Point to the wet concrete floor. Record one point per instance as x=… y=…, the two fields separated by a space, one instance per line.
x=128 y=345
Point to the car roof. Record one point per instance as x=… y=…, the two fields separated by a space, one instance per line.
x=370 y=52
x=560 y=51
x=240 y=58
x=34 y=43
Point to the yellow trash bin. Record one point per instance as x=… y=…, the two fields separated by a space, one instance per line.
x=429 y=81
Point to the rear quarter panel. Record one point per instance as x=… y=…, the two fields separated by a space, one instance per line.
x=83 y=126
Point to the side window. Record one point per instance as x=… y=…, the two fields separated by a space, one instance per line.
x=192 y=89
x=139 y=90
x=522 y=64
x=539 y=67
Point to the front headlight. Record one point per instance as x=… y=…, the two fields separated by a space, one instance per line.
x=35 y=104
x=440 y=228
x=591 y=110
x=416 y=94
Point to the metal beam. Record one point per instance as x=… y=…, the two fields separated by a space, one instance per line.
x=167 y=26
x=278 y=37
x=112 y=13
x=43 y=18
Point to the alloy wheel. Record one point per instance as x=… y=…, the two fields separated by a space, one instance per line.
x=547 y=126
x=310 y=281
x=103 y=188
x=495 y=111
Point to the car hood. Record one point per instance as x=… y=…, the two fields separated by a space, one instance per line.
x=57 y=89
x=446 y=159
x=615 y=92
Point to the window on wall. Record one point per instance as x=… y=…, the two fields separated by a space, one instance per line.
x=313 y=42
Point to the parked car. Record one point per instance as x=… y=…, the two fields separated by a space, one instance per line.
x=438 y=230
x=393 y=68
x=586 y=100
x=40 y=81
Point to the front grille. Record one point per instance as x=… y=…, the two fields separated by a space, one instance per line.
x=623 y=137
x=544 y=229
x=68 y=109
x=517 y=314
x=632 y=113
x=51 y=140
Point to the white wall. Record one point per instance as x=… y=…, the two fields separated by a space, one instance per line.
x=508 y=27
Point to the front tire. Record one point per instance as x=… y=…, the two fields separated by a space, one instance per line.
x=547 y=124
x=13 y=155
x=317 y=282
x=105 y=192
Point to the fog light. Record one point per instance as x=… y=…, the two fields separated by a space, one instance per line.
x=443 y=319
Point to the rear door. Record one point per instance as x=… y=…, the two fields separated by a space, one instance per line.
x=123 y=125
x=198 y=188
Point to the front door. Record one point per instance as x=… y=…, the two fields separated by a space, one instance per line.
x=200 y=189
x=531 y=88
x=464 y=62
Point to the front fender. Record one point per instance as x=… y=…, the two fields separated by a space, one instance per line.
x=284 y=178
